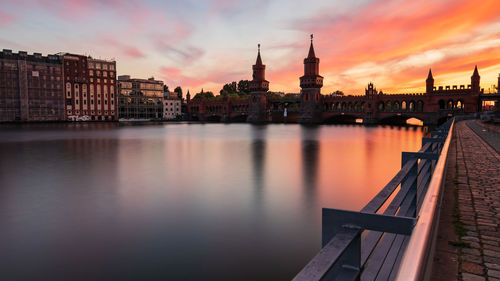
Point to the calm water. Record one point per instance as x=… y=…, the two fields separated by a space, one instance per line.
x=181 y=201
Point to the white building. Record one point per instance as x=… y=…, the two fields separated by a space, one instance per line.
x=171 y=106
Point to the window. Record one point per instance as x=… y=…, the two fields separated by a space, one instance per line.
x=68 y=102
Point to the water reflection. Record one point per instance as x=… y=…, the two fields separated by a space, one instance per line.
x=258 y=161
x=179 y=201
x=310 y=152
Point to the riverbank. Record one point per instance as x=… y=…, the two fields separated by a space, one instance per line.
x=468 y=246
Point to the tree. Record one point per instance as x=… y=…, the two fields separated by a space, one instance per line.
x=338 y=93
x=178 y=90
x=165 y=88
x=243 y=87
x=208 y=95
x=230 y=88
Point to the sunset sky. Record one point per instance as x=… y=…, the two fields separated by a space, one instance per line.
x=198 y=44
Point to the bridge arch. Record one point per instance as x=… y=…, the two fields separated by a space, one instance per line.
x=213 y=118
x=399 y=119
x=341 y=119
x=403 y=105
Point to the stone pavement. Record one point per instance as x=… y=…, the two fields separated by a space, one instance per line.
x=471 y=206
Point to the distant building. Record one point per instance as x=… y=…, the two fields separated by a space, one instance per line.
x=30 y=87
x=171 y=106
x=89 y=88
x=139 y=98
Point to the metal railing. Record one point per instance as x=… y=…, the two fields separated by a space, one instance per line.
x=370 y=244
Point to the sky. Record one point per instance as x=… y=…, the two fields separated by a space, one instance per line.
x=205 y=44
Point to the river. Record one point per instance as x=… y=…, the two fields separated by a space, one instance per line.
x=181 y=201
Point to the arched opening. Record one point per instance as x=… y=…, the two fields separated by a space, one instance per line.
x=362 y=106
x=414 y=122
x=239 y=118
x=213 y=118
x=403 y=105
x=441 y=104
x=411 y=106
x=388 y=106
x=342 y=119
x=350 y=106
x=460 y=104
x=401 y=120
x=450 y=104
x=420 y=106
x=396 y=106
x=381 y=106
x=343 y=106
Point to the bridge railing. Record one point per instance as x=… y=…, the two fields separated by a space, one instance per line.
x=369 y=245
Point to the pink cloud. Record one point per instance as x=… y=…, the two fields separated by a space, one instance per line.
x=126 y=50
x=6 y=19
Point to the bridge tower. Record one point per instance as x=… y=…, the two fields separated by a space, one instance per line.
x=475 y=78
x=429 y=83
x=498 y=86
x=311 y=83
x=257 y=105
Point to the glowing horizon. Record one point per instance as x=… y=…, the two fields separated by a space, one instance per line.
x=205 y=44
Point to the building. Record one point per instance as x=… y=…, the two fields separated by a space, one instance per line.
x=139 y=98
x=89 y=88
x=30 y=87
x=171 y=106
x=103 y=96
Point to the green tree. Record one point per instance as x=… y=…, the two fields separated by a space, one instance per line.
x=243 y=87
x=165 y=88
x=178 y=90
x=208 y=95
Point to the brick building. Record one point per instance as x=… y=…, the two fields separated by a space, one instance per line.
x=30 y=87
x=89 y=88
x=140 y=98
x=103 y=89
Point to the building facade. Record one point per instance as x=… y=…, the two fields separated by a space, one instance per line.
x=140 y=98
x=172 y=107
x=103 y=98
x=89 y=88
x=30 y=87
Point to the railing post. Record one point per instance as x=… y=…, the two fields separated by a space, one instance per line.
x=410 y=181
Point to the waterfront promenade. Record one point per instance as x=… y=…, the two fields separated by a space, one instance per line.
x=468 y=246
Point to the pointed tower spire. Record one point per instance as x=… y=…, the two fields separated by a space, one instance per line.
x=311 y=49
x=188 y=97
x=259 y=60
x=429 y=83
x=475 y=78
x=311 y=78
x=259 y=82
x=476 y=73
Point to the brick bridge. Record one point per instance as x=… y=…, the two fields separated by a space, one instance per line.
x=432 y=107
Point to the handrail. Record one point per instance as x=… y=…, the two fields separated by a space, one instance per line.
x=415 y=261
x=343 y=258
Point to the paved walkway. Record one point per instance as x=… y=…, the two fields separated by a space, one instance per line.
x=471 y=207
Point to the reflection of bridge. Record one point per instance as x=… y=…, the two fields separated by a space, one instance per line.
x=432 y=107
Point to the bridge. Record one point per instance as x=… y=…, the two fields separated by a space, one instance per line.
x=432 y=107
